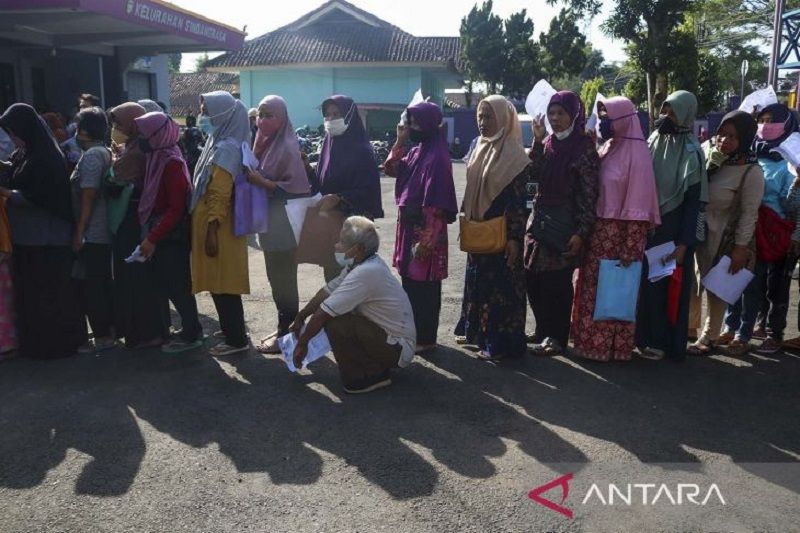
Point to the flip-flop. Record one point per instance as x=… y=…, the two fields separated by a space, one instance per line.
x=484 y=356
x=222 y=350
x=700 y=349
x=179 y=346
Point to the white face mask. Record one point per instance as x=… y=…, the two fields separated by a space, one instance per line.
x=496 y=136
x=343 y=260
x=561 y=135
x=335 y=127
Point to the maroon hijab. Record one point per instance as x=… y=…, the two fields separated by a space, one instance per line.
x=560 y=155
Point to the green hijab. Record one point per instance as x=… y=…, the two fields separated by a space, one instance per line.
x=678 y=161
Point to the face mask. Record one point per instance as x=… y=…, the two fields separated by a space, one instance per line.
x=561 y=135
x=118 y=137
x=418 y=136
x=666 y=126
x=771 y=131
x=335 y=127
x=606 y=129
x=343 y=260
x=206 y=126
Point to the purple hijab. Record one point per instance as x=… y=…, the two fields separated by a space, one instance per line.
x=560 y=155
x=347 y=164
x=426 y=177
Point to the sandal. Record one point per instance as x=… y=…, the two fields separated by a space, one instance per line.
x=461 y=339
x=737 y=348
x=792 y=344
x=548 y=348
x=180 y=345
x=760 y=333
x=726 y=338
x=701 y=347
x=652 y=354
x=770 y=346
x=486 y=356
x=222 y=350
x=269 y=345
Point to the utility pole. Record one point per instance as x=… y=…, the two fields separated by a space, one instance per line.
x=776 y=43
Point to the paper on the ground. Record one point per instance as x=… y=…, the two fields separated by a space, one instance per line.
x=790 y=149
x=416 y=99
x=136 y=256
x=318 y=347
x=656 y=269
x=296 y=212
x=538 y=100
x=591 y=124
x=728 y=287
x=249 y=159
x=759 y=100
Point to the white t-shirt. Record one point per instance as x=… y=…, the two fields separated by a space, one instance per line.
x=370 y=290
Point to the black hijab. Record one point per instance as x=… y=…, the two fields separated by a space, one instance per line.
x=40 y=174
x=780 y=114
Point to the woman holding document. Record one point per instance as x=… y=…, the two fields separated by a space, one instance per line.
x=627 y=208
x=736 y=185
x=663 y=313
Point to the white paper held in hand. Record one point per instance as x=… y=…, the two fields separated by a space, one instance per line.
x=759 y=99
x=136 y=256
x=728 y=287
x=318 y=347
x=790 y=149
x=657 y=269
x=416 y=99
x=249 y=159
x=538 y=100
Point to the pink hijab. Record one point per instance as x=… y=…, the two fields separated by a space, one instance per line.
x=627 y=181
x=277 y=149
x=162 y=134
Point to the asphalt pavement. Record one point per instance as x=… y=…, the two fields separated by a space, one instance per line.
x=146 y=442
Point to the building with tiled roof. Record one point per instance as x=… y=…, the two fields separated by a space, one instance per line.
x=186 y=87
x=341 y=49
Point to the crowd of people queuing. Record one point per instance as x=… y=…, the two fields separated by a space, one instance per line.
x=79 y=201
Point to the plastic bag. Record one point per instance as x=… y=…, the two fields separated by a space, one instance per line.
x=617 y=291
x=250 y=207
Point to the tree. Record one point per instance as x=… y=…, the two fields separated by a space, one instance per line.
x=200 y=62
x=589 y=93
x=175 y=62
x=482 y=43
x=521 y=66
x=651 y=26
x=563 y=47
x=594 y=63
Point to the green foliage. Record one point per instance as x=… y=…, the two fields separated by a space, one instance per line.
x=589 y=93
x=482 y=45
x=563 y=47
x=200 y=62
x=521 y=55
x=175 y=62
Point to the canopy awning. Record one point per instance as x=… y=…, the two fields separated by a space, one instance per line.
x=98 y=26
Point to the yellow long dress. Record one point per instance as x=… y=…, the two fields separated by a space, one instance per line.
x=228 y=272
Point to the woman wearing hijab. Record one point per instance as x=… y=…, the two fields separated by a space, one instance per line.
x=347 y=173
x=150 y=106
x=138 y=310
x=682 y=185
x=627 y=207
x=56 y=125
x=49 y=320
x=565 y=169
x=735 y=189
x=163 y=214
x=219 y=258
x=493 y=310
x=426 y=200
x=282 y=172
x=775 y=124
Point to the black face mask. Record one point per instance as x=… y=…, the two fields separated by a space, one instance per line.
x=144 y=146
x=606 y=129
x=418 y=136
x=666 y=126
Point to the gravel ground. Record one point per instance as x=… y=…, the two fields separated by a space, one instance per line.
x=145 y=442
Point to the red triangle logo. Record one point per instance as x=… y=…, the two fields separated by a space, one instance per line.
x=563 y=482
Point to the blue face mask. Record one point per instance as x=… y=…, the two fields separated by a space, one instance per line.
x=206 y=126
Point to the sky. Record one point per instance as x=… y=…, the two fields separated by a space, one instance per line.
x=422 y=18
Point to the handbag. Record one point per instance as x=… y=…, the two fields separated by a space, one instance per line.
x=250 y=207
x=617 y=291
x=728 y=239
x=553 y=226
x=773 y=235
x=482 y=237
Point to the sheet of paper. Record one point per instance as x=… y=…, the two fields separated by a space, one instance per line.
x=591 y=123
x=759 y=100
x=249 y=159
x=416 y=99
x=136 y=256
x=657 y=269
x=318 y=347
x=728 y=287
x=790 y=149
x=296 y=212
x=538 y=100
